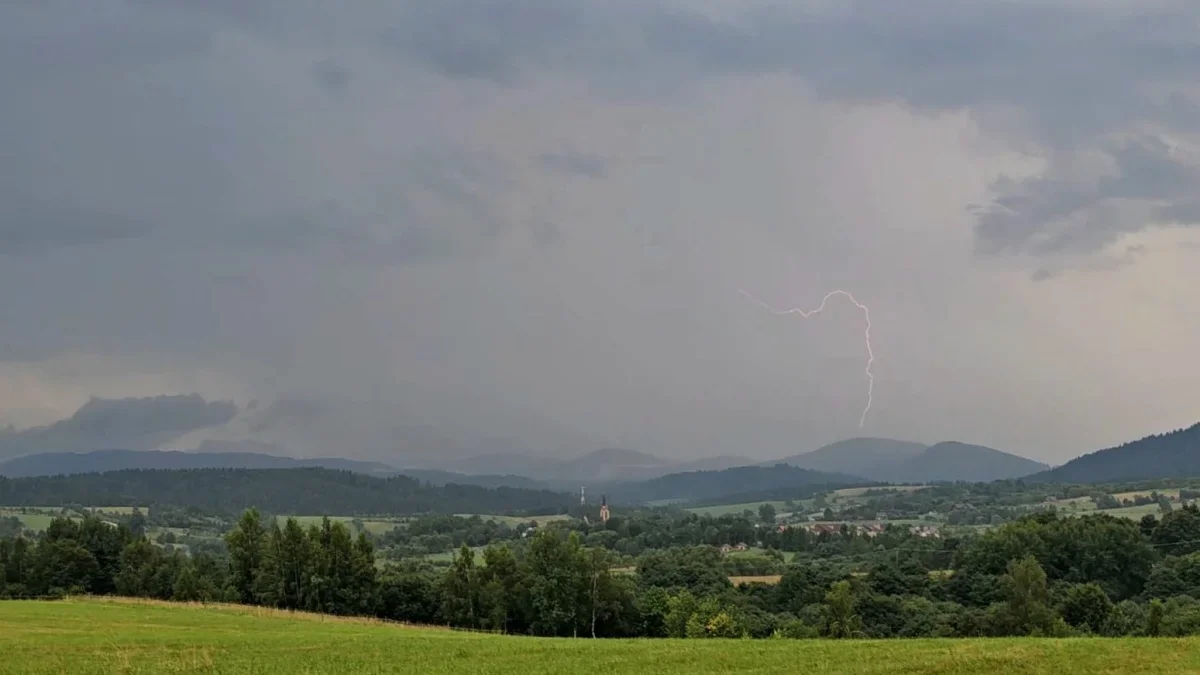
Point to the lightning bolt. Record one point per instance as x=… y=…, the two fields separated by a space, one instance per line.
x=866 y=334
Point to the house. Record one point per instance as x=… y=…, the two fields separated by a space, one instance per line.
x=925 y=531
x=741 y=546
x=872 y=529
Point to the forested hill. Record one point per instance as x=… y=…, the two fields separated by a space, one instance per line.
x=1171 y=455
x=694 y=485
x=307 y=491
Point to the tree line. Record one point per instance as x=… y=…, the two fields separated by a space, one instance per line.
x=306 y=490
x=1039 y=575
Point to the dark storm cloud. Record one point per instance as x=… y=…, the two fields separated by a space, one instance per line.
x=126 y=121
x=1074 y=71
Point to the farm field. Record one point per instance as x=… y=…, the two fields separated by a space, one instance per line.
x=1084 y=506
x=1134 y=512
x=770 y=579
x=726 y=509
x=130 y=636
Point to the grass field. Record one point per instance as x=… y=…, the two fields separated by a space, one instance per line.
x=38 y=518
x=1172 y=493
x=860 y=491
x=31 y=521
x=112 y=636
x=114 y=510
x=725 y=509
x=516 y=520
x=372 y=526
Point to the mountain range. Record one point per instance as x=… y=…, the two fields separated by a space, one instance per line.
x=115 y=434
x=854 y=461
x=893 y=461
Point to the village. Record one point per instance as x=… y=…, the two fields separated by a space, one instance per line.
x=872 y=529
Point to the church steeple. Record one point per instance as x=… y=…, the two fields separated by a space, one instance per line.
x=603 y=508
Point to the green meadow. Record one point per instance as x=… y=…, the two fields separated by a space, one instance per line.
x=131 y=636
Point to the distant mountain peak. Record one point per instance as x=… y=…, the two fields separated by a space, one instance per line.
x=890 y=460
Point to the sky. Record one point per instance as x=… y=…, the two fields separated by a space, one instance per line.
x=523 y=225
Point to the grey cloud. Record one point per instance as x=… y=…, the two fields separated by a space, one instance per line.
x=1075 y=71
x=331 y=75
x=1181 y=213
x=30 y=225
x=583 y=164
x=546 y=234
x=127 y=122
x=1107 y=263
x=488 y=39
x=1054 y=215
x=1043 y=273
x=125 y=424
x=333 y=229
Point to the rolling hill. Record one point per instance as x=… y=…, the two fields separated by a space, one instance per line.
x=1171 y=455
x=882 y=459
x=855 y=456
x=953 y=461
x=698 y=485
